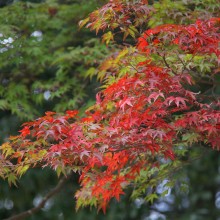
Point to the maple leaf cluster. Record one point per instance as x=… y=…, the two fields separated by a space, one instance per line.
x=123 y=16
x=138 y=120
x=201 y=37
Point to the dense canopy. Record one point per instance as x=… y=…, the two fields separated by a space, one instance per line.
x=158 y=101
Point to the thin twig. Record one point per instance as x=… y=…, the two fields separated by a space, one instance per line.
x=33 y=210
x=167 y=65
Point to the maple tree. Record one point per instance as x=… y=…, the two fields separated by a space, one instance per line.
x=146 y=117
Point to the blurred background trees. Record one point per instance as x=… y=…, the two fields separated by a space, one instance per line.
x=44 y=66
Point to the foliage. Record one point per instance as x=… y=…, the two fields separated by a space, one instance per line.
x=133 y=17
x=149 y=112
x=76 y=51
x=42 y=49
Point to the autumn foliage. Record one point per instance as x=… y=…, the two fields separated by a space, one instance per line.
x=141 y=118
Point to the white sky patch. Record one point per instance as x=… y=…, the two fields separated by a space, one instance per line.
x=8 y=204
x=162 y=187
x=7 y=41
x=217 y=200
x=38 y=35
x=47 y=95
x=138 y=202
x=155 y=216
x=38 y=199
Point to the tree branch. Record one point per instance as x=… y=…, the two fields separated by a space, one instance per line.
x=167 y=65
x=33 y=210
